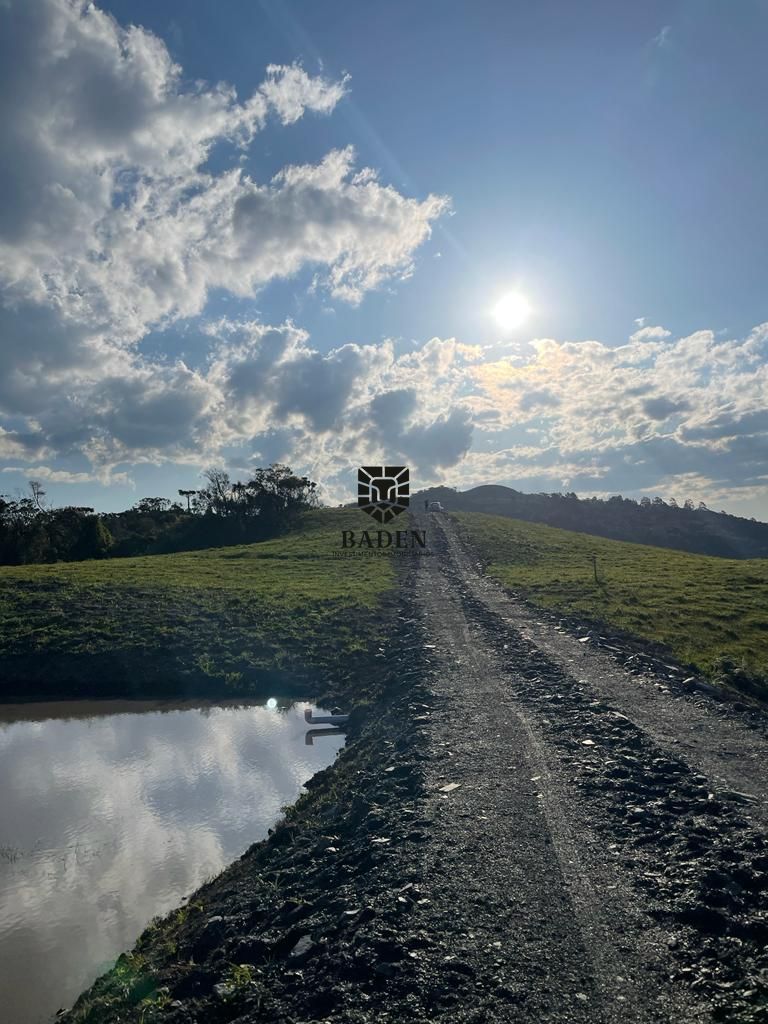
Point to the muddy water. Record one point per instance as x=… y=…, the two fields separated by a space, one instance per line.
x=110 y=814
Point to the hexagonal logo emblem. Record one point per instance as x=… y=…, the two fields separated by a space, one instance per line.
x=383 y=491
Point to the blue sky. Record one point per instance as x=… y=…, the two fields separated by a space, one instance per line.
x=608 y=162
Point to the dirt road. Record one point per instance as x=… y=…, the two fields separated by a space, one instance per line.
x=602 y=858
x=519 y=829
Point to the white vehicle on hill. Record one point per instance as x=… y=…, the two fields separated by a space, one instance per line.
x=435 y=506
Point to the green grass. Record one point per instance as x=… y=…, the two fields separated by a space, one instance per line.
x=221 y=615
x=710 y=612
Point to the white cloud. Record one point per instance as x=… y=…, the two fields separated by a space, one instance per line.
x=102 y=140
x=289 y=90
x=63 y=476
x=649 y=333
x=601 y=395
x=112 y=224
x=656 y=408
x=327 y=214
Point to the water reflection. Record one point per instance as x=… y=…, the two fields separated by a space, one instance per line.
x=312 y=734
x=107 y=819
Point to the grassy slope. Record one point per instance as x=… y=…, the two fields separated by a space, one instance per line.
x=218 y=617
x=703 y=608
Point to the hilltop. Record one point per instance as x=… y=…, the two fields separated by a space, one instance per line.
x=650 y=521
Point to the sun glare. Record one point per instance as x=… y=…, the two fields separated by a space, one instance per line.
x=512 y=310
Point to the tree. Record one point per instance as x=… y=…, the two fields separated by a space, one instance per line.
x=188 y=495
x=152 y=505
x=35 y=546
x=281 y=494
x=95 y=540
x=260 y=507
x=38 y=494
x=216 y=498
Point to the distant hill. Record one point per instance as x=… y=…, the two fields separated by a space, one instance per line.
x=655 y=522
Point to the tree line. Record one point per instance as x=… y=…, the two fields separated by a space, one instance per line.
x=686 y=526
x=222 y=512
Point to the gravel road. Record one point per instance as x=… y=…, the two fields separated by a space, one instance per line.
x=603 y=856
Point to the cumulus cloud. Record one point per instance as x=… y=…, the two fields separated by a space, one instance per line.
x=662 y=408
x=540 y=398
x=325 y=213
x=639 y=417
x=654 y=409
x=431 y=444
x=113 y=224
x=439 y=444
x=103 y=158
x=271 y=376
x=65 y=476
x=391 y=410
x=600 y=395
x=649 y=333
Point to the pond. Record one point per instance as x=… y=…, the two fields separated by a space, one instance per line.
x=111 y=813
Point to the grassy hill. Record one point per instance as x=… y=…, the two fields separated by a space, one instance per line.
x=698 y=530
x=226 y=619
x=710 y=612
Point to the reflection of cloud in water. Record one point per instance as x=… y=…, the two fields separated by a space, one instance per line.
x=116 y=818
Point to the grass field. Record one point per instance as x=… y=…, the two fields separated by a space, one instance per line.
x=710 y=612
x=219 y=616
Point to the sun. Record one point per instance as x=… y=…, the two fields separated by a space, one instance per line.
x=512 y=310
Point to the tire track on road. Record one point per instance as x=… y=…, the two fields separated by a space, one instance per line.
x=683 y=869
x=726 y=749
x=574 y=945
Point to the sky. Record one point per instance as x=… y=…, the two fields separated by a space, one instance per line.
x=499 y=242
